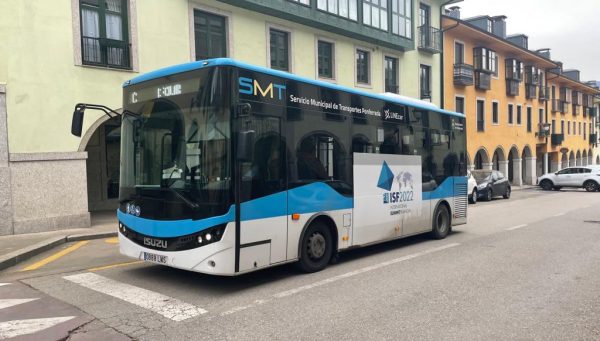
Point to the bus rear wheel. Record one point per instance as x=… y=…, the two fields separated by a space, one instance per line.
x=441 y=222
x=316 y=248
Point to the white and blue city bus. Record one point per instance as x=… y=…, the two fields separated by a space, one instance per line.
x=228 y=168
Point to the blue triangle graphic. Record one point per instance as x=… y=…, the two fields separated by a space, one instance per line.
x=386 y=177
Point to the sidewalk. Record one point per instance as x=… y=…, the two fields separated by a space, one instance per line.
x=17 y=248
x=517 y=188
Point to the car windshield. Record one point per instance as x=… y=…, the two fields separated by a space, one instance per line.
x=481 y=175
x=177 y=138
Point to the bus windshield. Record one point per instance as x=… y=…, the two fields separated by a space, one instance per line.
x=176 y=138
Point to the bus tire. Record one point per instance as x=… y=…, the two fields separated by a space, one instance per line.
x=316 y=247
x=440 y=222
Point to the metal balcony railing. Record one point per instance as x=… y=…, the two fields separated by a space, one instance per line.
x=543 y=130
x=392 y=88
x=430 y=39
x=557 y=139
x=463 y=74
x=105 y=52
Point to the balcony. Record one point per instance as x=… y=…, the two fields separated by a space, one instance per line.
x=463 y=74
x=530 y=91
x=557 y=139
x=483 y=80
x=543 y=130
x=430 y=39
x=543 y=93
x=594 y=138
x=559 y=106
x=512 y=87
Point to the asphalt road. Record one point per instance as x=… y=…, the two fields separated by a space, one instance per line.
x=521 y=269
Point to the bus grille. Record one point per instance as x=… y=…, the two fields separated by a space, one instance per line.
x=460 y=200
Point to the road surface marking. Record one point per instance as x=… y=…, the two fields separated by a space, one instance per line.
x=55 y=256
x=14 y=328
x=117 y=265
x=114 y=240
x=559 y=214
x=6 y=303
x=363 y=270
x=516 y=227
x=166 y=306
x=3 y=284
x=337 y=278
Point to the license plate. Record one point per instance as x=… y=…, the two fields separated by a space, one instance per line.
x=151 y=257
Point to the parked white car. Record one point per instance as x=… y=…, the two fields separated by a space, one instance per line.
x=471 y=188
x=587 y=177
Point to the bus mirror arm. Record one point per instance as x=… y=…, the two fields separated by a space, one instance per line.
x=245 y=145
x=77 y=122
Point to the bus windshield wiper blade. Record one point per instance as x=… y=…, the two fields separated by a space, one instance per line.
x=190 y=203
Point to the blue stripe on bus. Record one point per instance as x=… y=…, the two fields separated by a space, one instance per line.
x=446 y=189
x=175 y=69
x=315 y=197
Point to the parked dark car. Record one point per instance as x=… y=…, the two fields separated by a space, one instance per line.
x=491 y=183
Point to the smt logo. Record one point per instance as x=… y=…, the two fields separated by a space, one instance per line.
x=250 y=86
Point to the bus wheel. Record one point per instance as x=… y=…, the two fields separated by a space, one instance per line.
x=316 y=248
x=441 y=222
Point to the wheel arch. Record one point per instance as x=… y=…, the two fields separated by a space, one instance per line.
x=328 y=221
x=447 y=204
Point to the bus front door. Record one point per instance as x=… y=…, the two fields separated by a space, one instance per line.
x=263 y=220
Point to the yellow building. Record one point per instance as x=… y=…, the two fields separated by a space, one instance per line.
x=507 y=93
x=57 y=53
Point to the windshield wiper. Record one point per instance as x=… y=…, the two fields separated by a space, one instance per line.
x=190 y=203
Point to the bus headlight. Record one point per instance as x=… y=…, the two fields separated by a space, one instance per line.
x=211 y=235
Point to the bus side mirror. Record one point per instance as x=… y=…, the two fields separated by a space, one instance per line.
x=245 y=145
x=77 y=122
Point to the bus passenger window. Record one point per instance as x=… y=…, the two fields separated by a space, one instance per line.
x=309 y=166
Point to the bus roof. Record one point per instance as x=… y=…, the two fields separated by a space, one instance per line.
x=175 y=69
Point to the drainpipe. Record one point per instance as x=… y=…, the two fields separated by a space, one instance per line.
x=442 y=50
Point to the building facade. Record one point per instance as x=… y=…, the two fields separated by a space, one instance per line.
x=507 y=93
x=55 y=54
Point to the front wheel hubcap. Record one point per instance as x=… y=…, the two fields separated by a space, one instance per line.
x=316 y=246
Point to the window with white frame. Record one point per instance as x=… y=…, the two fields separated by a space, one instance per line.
x=375 y=14
x=344 y=8
x=363 y=59
x=402 y=18
x=104 y=33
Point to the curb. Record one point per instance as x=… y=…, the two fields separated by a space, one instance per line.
x=18 y=256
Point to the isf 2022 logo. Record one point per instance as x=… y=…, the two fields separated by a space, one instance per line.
x=405 y=185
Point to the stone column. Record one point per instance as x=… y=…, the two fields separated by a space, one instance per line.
x=517 y=173
x=488 y=166
x=503 y=167
x=471 y=167
x=530 y=174
x=545 y=164
x=6 y=210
